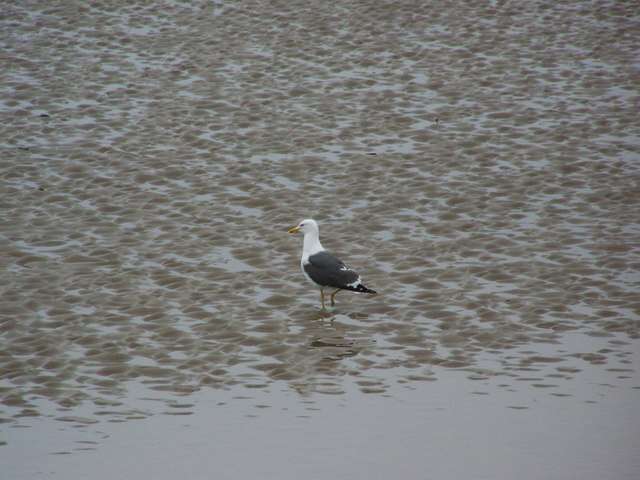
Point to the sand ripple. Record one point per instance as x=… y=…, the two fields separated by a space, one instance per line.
x=478 y=165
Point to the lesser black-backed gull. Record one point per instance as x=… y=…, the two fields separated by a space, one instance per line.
x=322 y=268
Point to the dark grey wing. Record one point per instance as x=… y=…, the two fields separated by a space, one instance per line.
x=327 y=270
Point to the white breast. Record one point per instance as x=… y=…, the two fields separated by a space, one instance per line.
x=310 y=246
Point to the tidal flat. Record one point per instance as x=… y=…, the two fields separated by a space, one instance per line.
x=477 y=162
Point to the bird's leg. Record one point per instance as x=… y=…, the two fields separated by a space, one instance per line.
x=333 y=297
x=322 y=298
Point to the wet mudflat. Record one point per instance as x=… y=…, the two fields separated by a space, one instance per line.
x=478 y=164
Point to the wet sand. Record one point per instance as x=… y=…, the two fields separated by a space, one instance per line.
x=478 y=164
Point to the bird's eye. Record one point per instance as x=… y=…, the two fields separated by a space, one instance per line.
x=302 y=224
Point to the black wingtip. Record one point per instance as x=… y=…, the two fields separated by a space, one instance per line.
x=363 y=289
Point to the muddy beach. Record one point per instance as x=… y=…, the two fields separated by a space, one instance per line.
x=478 y=164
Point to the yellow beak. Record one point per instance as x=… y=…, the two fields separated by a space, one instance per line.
x=295 y=229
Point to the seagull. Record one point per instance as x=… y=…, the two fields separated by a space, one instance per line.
x=322 y=268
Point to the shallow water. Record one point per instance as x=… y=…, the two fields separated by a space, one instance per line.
x=478 y=164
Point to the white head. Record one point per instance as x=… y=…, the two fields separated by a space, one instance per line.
x=306 y=226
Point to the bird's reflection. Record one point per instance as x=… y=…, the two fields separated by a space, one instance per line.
x=335 y=339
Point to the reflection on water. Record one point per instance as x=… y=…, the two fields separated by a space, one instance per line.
x=482 y=174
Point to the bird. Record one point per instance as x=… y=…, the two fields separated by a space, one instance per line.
x=324 y=269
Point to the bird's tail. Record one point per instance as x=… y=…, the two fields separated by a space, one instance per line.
x=360 y=288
